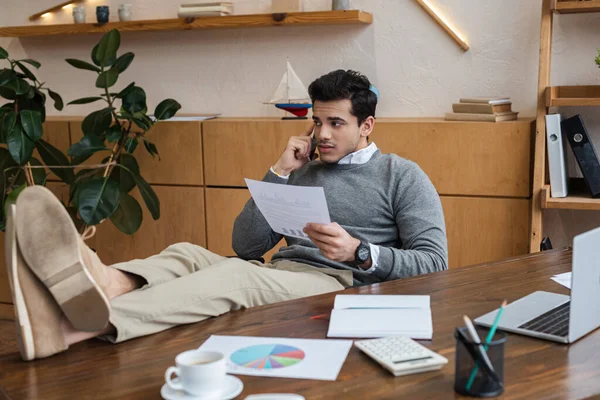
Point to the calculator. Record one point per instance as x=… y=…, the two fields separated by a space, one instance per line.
x=401 y=355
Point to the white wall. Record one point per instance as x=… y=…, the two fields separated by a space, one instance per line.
x=419 y=70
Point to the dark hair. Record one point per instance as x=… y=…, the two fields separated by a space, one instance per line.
x=346 y=85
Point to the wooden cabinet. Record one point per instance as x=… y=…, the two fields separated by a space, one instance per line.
x=481 y=170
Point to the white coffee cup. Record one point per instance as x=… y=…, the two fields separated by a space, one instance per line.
x=200 y=373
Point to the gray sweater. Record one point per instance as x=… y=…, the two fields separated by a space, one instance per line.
x=388 y=201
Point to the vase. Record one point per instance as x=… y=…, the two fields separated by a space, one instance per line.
x=125 y=12
x=340 y=4
x=102 y=14
x=79 y=14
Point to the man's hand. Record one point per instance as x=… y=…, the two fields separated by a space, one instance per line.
x=334 y=242
x=296 y=153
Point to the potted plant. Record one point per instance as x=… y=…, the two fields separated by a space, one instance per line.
x=95 y=192
x=21 y=130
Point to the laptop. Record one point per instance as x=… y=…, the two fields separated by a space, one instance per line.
x=558 y=317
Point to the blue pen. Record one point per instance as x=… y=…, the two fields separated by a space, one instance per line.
x=488 y=339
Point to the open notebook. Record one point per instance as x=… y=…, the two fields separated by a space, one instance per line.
x=369 y=316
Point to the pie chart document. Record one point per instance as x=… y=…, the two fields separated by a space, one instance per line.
x=281 y=357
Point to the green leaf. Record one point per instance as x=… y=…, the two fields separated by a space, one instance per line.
x=6 y=76
x=8 y=122
x=114 y=134
x=3 y=54
x=98 y=199
x=131 y=144
x=12 y=197
x=26 y=71
x=88 y=145
x=107 y=79
x=128 y=215
x=39 y=174
x=166 y=109
x=149 y=197
x=97 y=122
x=80 y=177
x=19 y=145
x=123 y=62
x=125 y=173
x=135 y=100
x=7 y=93
x=85 y=100
x=32 y=124
x=106 y=53
x=58 y=101
x=37 y=103
x=143 y=124
x=20 y=86
x=124 y=92
x=52 y=156
x=79 y=64
x=151 y=148
x=32 y=62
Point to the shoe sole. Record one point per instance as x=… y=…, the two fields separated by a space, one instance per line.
x=24 y=331
x=49 y=244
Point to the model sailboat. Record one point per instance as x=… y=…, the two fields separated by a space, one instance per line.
x=291 y=95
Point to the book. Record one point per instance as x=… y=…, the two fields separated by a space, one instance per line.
x=509 y=116
x=486 y=100
x=368 y=316
x=183 y=14
x=208 y=4
x=481 y=108
x=585 y=153
x=224 y=9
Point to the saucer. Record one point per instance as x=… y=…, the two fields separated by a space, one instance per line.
x=233 y=387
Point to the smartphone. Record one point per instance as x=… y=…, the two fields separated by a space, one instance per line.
x=313 y=147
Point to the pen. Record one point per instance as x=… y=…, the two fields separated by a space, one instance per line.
x=488 y=339
x=477 y=341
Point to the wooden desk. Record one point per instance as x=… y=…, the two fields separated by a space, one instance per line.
x=134 y=370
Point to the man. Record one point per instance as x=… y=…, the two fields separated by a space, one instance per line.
x=388 y=224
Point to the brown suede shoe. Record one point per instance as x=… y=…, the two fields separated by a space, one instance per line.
x=36 y=313
x=52 y=248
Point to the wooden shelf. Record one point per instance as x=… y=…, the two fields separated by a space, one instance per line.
x=578 y=199
x=355 y=17
x=577 y=7
x=572 y=96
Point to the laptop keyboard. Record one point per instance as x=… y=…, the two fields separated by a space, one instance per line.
x=553 y=322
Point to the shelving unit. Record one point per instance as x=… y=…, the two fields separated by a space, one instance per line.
x=577 y=7
x=556 y=96
x=347 y=17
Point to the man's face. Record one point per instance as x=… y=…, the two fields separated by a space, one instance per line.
x=336 y=130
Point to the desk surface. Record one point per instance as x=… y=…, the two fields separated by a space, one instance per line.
x=134 y=370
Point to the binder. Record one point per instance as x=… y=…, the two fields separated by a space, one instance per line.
x=556 y=157
x=584 y=152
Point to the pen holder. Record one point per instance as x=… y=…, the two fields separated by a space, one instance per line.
x=472 y=377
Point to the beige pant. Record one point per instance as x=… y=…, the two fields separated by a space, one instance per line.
x=187 y=283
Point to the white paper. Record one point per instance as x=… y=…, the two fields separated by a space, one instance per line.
x=563 y=279
x=354 y=301
x=415 y=323
x=305 y=358
x=288 y=208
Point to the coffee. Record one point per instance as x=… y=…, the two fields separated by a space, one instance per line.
x=200 y=362
x=200 y=372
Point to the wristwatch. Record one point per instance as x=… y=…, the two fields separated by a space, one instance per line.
x=362 y=254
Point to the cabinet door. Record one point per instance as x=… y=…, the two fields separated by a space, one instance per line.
x=180 y=148
x=181 y=220
x=222 y=207
x=238 y=149
x=485 y=229
x=464 y=158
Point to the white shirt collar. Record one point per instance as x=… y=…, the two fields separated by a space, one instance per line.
x=359 y=157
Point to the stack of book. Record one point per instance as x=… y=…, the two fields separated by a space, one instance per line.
x=493 y=109
x=215 y=9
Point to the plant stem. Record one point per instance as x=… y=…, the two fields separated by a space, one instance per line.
x=110 y=159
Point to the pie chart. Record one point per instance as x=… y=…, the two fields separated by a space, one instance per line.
x=267 y=356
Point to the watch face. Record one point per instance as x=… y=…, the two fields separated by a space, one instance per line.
x=363 y=253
